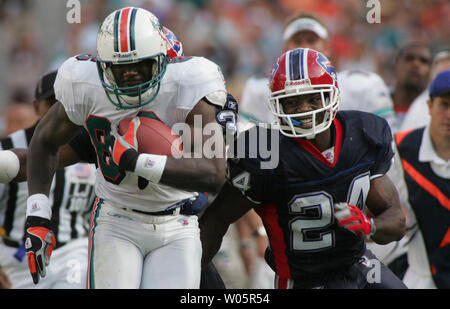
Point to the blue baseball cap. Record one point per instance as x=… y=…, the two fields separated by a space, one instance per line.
x=440 y=84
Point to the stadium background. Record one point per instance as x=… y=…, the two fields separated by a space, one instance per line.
x=242 y=36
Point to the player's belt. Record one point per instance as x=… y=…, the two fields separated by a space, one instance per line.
x=158 y=213
x=185 y=207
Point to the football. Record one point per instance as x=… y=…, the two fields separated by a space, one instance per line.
x=154 y=137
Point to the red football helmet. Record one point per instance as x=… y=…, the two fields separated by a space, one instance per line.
x=298 y=72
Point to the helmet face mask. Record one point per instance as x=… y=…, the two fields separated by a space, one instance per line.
x=130 y=40
x=304 y=93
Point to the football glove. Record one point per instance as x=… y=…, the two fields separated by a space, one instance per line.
x=354 y=220
x=124 y=148
x=39 y=243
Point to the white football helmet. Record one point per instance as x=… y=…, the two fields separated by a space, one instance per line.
x=298 y=72
x=131 y=35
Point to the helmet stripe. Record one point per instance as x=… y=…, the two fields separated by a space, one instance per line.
x=287 y=67
x=290 y=70
x=132 y=21
x=305 y=53
x=124 y=30
x=296 y=64
x=116 y=31
x=301 y=64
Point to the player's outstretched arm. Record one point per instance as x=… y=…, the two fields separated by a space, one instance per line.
x=54 y=130
x=229 y=205
x=13 y=165
x=383 y=202
x=18 y=162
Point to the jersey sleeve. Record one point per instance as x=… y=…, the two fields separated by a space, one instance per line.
x=82 y=145
x=69 y=91
x=243 y=178
x=246 y=169
x=199 y=77
x=382 y=138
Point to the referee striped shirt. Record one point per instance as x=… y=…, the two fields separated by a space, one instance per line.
x=71 y=195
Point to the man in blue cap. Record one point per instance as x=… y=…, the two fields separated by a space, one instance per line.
x=425 y=155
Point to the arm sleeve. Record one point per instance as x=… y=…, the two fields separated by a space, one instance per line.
x=244 y=170
x=198 y=78
x=65 y=86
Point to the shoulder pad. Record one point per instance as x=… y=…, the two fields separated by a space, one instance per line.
x=217 y=98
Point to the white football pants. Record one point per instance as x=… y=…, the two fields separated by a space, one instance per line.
x=132 y=250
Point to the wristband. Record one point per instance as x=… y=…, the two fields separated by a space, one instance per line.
x=150 y=166
x=9 y=166
x=39 y=205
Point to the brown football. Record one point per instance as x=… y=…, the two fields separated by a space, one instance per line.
x=154 y=137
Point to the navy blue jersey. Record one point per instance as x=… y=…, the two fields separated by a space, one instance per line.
x=296 y=197
x=429 y=198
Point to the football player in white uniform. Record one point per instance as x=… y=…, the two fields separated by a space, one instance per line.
x=71 y=197
x=371 y=95
x=139 y=236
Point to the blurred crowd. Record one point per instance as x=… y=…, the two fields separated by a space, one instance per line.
x=242 y=36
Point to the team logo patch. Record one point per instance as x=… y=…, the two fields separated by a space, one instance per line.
x=365 y=261
x=326 y=65
x=28 y=243
x=302 y=82
x=184 y=222
x=35 y=207
x=82 y=171
x=150 y=163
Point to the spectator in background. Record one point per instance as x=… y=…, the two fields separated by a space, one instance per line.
x=18 y=114
x=425 y=154
x=411 y=72
x=418 y=113
x=300 y=30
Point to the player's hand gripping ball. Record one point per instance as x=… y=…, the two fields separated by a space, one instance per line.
x=153 y=136
x=141 y=134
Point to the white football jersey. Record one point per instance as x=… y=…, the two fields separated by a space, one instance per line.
x=365 y=91
x=254 y=105
x=186 y=81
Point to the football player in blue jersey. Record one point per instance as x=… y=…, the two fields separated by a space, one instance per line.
x=330 y=166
